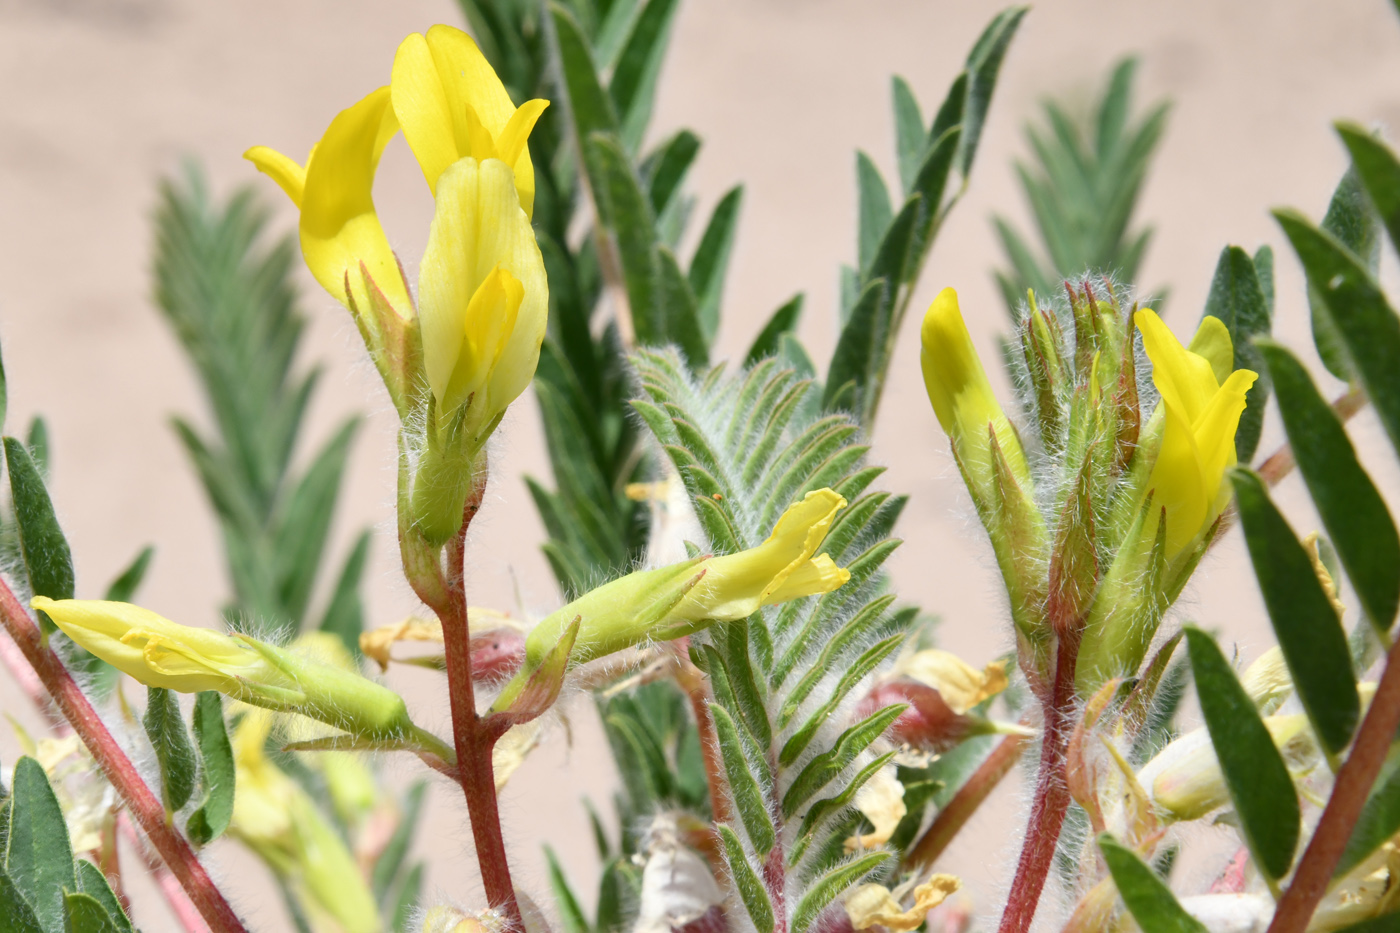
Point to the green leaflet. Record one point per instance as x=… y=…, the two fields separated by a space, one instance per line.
x=875 y=212
x=15 y=909
x=345 y=613
x=38 y=858
x=983 y=65
x=1354 y=222
x=1365 y=323
x=633 y=84
x=166 y=729
x=216 y=770
x=784 y=321
x=711 y=261
x=1259 y=784
x=751 y=890
x=1307 y=627
x=1353 y=511
x=92 y=882
x=749 y=799
x=570 y=913
x=47 y=558
x=1379 y=819
x=830 y=885
x=1237 y=299
x=1146 y=896
x=87 y=915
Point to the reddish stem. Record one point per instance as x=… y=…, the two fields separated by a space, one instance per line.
x=116 y=767
x=1051 y=795
x=690 y=679
x=1354 y=780
x=970 y=796
x=472 y=739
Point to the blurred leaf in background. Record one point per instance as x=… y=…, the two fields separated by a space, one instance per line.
x=1082 y=185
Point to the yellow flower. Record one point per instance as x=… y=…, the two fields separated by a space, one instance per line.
x=275 y=818
x=1198 y=433
x=873 y=905
x=680 y=599
x=452 y=106
x=339 y=228
x=483 y=300
x=161 y=653
x=962 y=397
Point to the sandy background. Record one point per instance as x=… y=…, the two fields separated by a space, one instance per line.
x=102 y=97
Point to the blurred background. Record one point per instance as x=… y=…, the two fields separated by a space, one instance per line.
x=104 y=97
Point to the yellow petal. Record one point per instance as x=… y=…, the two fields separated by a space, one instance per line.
x=435 y=79
x=811 y=578
x=490 y=321
x=339 y=227
x=1214 y=431
x=872 y=905
x=478 y=226
x=511 y=144
x=1180 y=487
x=961 y=685
x=1212 y=341
x=1183 y=378
x=881 y=801
x=290 y=176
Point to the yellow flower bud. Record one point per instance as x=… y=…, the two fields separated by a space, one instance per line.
x=1201 y=413
x=161 y=653
x=961 y=395
x=666 y=603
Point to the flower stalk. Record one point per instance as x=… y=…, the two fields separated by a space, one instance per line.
x=144 y=806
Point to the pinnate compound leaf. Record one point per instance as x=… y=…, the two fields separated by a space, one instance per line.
x=38 y=856
x=751 y=889
x=165 y=727
x=1265 y=800
x=1146 y=896
x=1351 y=508
x=48 y=560
x=216 y=769
x=1237 y=299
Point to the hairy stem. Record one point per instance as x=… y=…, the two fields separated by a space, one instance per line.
x=143 y=805
x=970 y=796
x=1353 y=785
x=690 y=679
x=473 y=741
x=1051 y=794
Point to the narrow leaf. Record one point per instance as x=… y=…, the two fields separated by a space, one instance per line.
x=1365 y=322
x=1379 y=819
x=743 y=787
x=1379 y=171
x=345 y=613
x=1352 y=509
x=216 y=769
x=1146 y=896
x=38 y=857
x=711 y=260
x=87 y=915
x=16 y=910
x=590 y=106
x=783 y=321
x=124 y=587
x=909 y=133
x=983 y=66
x=875 y=210
x=386 y=868
x=751 y=889
x=570 y=913
x=91 y=881
x=830 y=886
x=1263 y=794
x=47 y=558
x=1354 y=222
x=1237 y=299
x=166 y=729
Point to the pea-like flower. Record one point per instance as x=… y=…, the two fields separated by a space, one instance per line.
x=472 y=344
x=683 y=598
x=1201 y=414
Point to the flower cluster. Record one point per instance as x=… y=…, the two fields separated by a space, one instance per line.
x=468 y=348
x=1099 y=518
